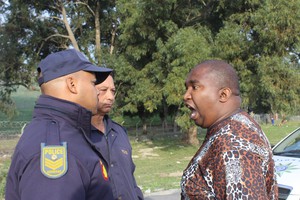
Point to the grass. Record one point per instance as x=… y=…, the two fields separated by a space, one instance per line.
x=159 y=161
x=24 y=105
x=4 y=165
x=161 y=168
x=276 y=133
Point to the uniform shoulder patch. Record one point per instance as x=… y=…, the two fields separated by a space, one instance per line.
x=54 y=163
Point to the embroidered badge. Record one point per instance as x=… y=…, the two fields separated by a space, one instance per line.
x=104 y=172
x=54 y=162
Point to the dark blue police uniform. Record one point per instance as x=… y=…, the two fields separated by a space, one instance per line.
x=55 y=158
x=116 y=150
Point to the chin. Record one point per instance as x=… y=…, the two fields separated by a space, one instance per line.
x=200 y=124
x=197 y=123
x=94 y=112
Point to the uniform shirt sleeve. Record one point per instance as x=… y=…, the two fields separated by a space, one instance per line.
x=25 y=181
x=122 y=167
x=138 y=191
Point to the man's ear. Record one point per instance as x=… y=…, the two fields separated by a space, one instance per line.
x=224 y=94
x=71 y=84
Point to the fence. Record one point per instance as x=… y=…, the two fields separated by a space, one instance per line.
x=266 y=118
x=11 y=128
x=14 y=128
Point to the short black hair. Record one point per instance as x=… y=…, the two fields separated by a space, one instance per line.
x=225 y=75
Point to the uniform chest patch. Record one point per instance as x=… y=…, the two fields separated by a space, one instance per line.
x=54 y=162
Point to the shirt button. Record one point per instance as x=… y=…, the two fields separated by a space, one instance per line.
x=112 y=165
x=119 y=198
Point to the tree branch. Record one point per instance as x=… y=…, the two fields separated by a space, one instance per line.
x=88 y=7
x=54 y=17
x=57 y=35
x=15 y=84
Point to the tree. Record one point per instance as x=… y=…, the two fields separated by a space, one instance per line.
x=14 y=63
x=183 y=50
x=262 y=43
x=159 y=51
x=33 y=29
x=153 y=44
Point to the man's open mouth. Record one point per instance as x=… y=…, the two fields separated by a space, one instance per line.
x=193 y=114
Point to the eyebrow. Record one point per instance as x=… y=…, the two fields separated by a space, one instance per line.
x=192 y=81
x=106 y=87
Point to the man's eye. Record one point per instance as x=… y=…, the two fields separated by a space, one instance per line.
x=195 y=87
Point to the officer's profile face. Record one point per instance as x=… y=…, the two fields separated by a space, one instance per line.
x=87 y=94
x=106 y=95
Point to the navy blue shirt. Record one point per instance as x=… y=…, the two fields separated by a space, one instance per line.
x=57 y=122
x=116 y=150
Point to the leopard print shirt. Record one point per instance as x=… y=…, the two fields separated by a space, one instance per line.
x=234 y=162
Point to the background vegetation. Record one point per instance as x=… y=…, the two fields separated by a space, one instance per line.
x=160 y=157
x=152 y=44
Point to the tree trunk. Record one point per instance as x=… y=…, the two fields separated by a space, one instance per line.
x=145 y=131
x=98 y=34
x=163 y=115
x=70 y=32
x=191 y=136
x=112 y=43
x=175 y=127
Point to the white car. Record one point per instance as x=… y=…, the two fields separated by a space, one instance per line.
x=287 y=160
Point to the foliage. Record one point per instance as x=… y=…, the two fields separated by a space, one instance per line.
x=159 y=53
x=153 y=44
x=13 y=55
x=262 y=42
x=30 y=30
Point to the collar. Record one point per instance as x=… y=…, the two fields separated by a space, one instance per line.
x=215 y=127
x=108 y=123
x=51 y=107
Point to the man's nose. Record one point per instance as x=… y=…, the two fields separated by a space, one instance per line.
x=111 y=95
x=187 y=95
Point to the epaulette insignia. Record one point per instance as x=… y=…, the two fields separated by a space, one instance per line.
x=54 y=163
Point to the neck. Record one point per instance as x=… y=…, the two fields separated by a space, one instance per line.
x=98 y=123
x=226 y=115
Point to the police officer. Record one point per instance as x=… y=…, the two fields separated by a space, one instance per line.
x=54 y=158
x=112 y=140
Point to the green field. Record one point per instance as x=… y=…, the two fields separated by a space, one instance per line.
x=24 y=100
x=159 y=159
x=167 y=157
